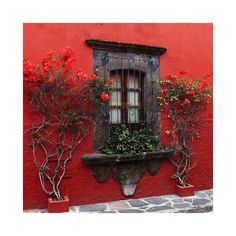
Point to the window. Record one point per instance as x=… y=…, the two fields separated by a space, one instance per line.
x=135 y=71
x=126 y=102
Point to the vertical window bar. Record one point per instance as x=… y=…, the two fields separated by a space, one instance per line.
x=152 y=118
x=123 y=91
x=128 y=99
x=110 y=108
x=116 y=86
x=134 y=107
x=139 y=96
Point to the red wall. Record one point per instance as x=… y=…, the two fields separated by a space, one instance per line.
x=189 y=47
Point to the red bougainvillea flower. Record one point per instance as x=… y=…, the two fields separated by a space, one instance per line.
x=71 y=79
x=191 y=92
x=93 y=76
x=65 y=69
x=199 y=90
x=83 y=76
x=68 y=53
x=46 y=60
x=70 y=62
x=51 y=79
x=29 y=71
x=104 y=96
x=183 y=72
x=205 y=83
x=186 y=101
x=79 y=72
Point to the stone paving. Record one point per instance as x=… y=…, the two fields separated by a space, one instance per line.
x=202 y=201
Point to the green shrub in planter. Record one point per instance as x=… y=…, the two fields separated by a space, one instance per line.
x=122 y=141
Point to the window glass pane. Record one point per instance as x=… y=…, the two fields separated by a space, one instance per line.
x=133 y=82
x=133 y=115
x=133 y=98
x=116 y=80
x=115 y=99
x=115 y=115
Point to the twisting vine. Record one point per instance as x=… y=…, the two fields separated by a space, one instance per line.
x=183 y=100
x=59 y=100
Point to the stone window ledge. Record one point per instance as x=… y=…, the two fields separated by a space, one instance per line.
x=126 y=170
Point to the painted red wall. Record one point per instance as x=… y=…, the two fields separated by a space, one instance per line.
x=189 y=47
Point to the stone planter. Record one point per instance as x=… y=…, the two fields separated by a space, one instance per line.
x=127 y=170
x=184 y=191
x=58 y=206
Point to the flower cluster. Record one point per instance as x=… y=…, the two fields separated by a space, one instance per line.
x=29 y=71
x=58 y=99
x=104 y=96
x=100 y=88
x=183 y=99
x=61 y=69
x=181 y=92
x=54 y=66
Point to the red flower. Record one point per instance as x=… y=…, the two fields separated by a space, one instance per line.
x=68 y=53
x=83 y=76
x=104 y=96
x=190 y=92
x=70 y=62
x=46 y=60
x=205 y=83
x=71 y=79
x=93 y=76
x=79 y=70
x=80 y=74
x=186 y=101
x=29 y=71
x=110 y=81
x=199 y=90
x=65 y=69
x=51 y=79
x=183 y=72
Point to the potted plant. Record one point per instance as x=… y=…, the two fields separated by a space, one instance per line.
x=184 y=99
x=58 y=100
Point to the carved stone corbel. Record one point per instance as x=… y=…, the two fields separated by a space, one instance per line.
x=126 y=170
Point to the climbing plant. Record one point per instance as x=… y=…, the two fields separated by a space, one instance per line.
x=59 y=102
x=183 y=99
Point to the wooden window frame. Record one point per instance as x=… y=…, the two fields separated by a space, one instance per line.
x=124 y=106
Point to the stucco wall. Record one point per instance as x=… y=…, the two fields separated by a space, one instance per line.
x=189 y=47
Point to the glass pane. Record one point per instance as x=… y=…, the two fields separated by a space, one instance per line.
x=133 y=98
x=115 y=98
x=133 y=115
x=115 y=115
x=116 y=80
x=133 y=82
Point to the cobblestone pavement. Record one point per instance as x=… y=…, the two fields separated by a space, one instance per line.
x=202 y=201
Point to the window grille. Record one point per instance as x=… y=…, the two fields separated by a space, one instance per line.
x=126 y=105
